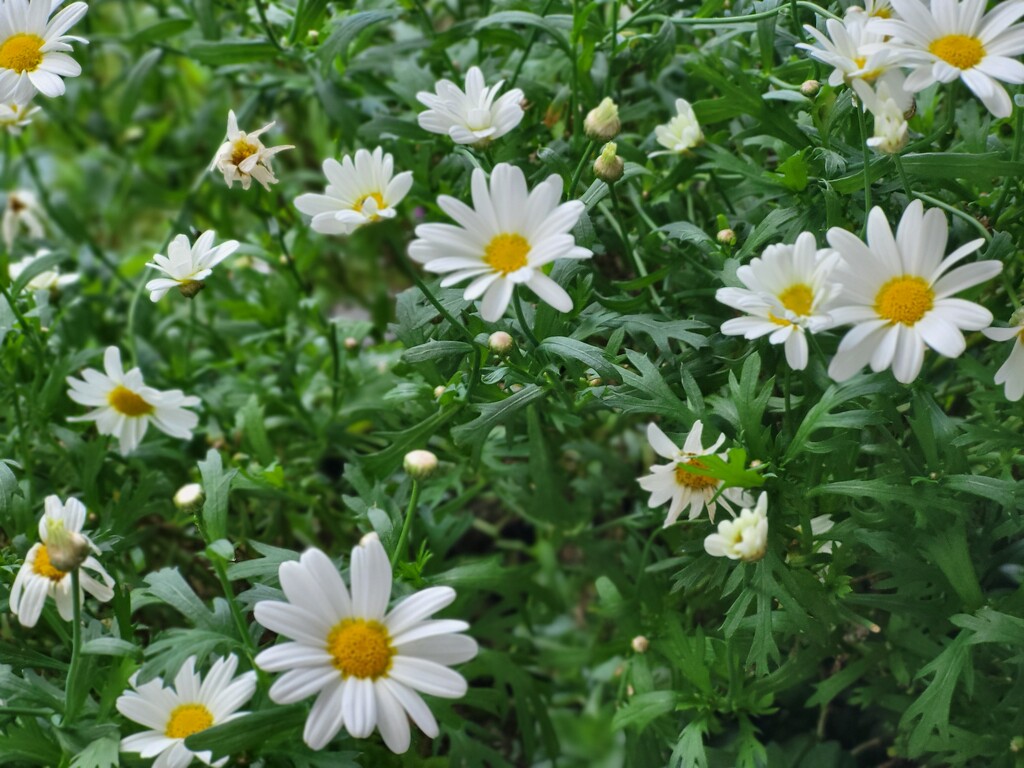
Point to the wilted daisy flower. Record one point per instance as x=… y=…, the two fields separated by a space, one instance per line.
x=33 y=48
x=15 y=115
x=123 y=406
x=473 y=116
x=743 y=538
x=891 y=129
x=682 y=133
x=366 y=664
x=898 y=294
x=48 y=280
x=787 y=294
x=21 y=210
x=503 y=241
x=187 y=266
x=953 y=39
x=61 y=540
x=357 y=193
x=244 y=158
x=1012 y=371
x=174 y=713
x=685 y=489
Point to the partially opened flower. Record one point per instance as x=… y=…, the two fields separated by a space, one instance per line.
x=742 y=538
x=48 y=280
x=60 y=528
x=15 y=115
x=123 y=406
x=366 y=665
x=473 y=116
x=357 y=193
x=682 y=133
x=244 y=158
x=173 y=713
x=1011 y=373
x=891 y=128
x=22 y=211
x=786 y=296
x=897 y=292
x=186 y=266
x=873 y=9
x=33 y=48
x=505 y=240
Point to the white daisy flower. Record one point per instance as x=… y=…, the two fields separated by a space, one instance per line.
x=33 y=48
x=49 y=280
x=368 y=665
x=504 y=240
x=38 y=577
x=1012 y=371
x=244 y=158
x=22 y=210
x=685 y=489
x=891 y=128
x=873 y=9
x=898 y=294
x=472 y=116
x=743 y=538
x=15 y=115
x=357 y=193
x=787 y=293
x=682 y=133
x=187 y=266
x=950 y=39
x=123 y=406
x=191 y=705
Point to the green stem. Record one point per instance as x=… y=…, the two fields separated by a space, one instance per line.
x=574 y=62
x=403 y=537
x=1018 y=130
x=956 y=212
x=633 y=255
x=527 y=330
x=266 y=25
x=410 y=270
x=529 y=45
x=220 y=568
x=30 y=330
x=73 y=696
x=903 y=176
x=332 y=340
x=862 y=124
x=578 y=173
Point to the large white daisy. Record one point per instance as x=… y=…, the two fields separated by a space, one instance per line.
x=366 y=664
x=855 y=51
x=123 y=406
x=190 y=706
x=1011 y=373
x=33 y=48
x=504 y=240
x=898 y=294
x=473 y=116
x=186 y=266
x=787 y=294
x=951 y=39
x=243 y=157
x=357 y=193
x=38 y=578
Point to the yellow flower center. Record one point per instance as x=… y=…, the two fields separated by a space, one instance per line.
x=126 y=402
x=21 y=52
x=507 y=252
x=882 y=13
x=377 y=197
x=798 y=299
x=43 y=567
x=188 y=719
x=690 y=480
x=242 y=149
x=962 y=51
x=904 y=300
x=360 y=648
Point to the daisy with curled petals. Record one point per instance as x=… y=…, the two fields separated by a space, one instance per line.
x=33 y=48
x=357 y=193
x=742 y=538
x=1012 y=371
x=680 y=134
x=15 y=115
x=504 y=240
x=685 y=489
x=897 y=292
x=187 y=266
x=787 y=293
x=367 y=665
x=244 y=158
x=48 y=280
x=123 y=406
x=193 y=704
x=60 y=527
x=22 y=210
x=472 y=116
x=955 y=39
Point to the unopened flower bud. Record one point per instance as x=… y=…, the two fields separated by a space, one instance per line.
x=313 y=37
x=371 y=536
x=640 y=644
x=810 y=87
x=500 y=342
x=190 y=288
x=439 y=390
x=420 y=464
x=602 y=122
x=726 y=237
x=609 y=166
x=351 y=343
x=190 y=498
x=67 y=549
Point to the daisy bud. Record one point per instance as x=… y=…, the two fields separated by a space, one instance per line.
x=810 y=87
x=1017 y=744
x=500 y=342
x=351 y=344
x=190 y=498
x=420 y=464
x=439 y=390
x=602 y=122
x=312 y=37
x=640 y=644
x=67 y=549
x=609 y=166
x=726 y=237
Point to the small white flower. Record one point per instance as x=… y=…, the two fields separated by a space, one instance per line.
x=1012 y=371
x=187 y=266
x=123 y=406
x=873 y=9
x=891 y=129
x=15 y=115
x=955 y=39
x=682 y=133
x=787 y=294
x=504 y=240
x=743 y=538
x=472 y=116
x=244 y=158
x=189 y=706
x=49 y=280
x=686 y=489
x=21 y=210
x=898 y=294
x=821 y=525
x=33 y=48
x=357 y=193
x=38 y=579
x=366 y=664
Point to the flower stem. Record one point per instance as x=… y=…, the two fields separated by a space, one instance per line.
x=73 y=695
x=403 y=537
x=1018 y=130
x=410 y=270
x=529 y=45
x=578 y=173
x=634 y=257
x=862 y=124
x=266 y=25
x=903 y=176
x=527 y=330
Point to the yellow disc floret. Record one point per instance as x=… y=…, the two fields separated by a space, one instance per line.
x=691 y=480
x=128 y=403
x=241 y=150
x=377 y=197
x=507 y=252
x=798 y=299
x=360 y=648
x=21 y=52
x=904 y=300
x=188 y=719
x=962 y=51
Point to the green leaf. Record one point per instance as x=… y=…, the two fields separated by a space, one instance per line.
x=493 y=414
x=161 y=31
x=436 y=348
x=254 y=430
x=134 y=81
x=216 y=485
x=949 y=551
x=9 y=488
x=110 y=646
x=346 y=30
x=216 y=53
x=566 y=348
x=981 y=168
x=543 y=23
x=644 y=708
x=34 y=269
x=101 y=753
x=990 y=626
x=169 y=586
x=307 y=14
x=248 y=731
x=931 y=708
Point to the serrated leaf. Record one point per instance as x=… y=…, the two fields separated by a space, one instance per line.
x=216 y=485
x=346 y=30
x=217 y=53
x=252 y=730
x=493 y=414
x=644 y=708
